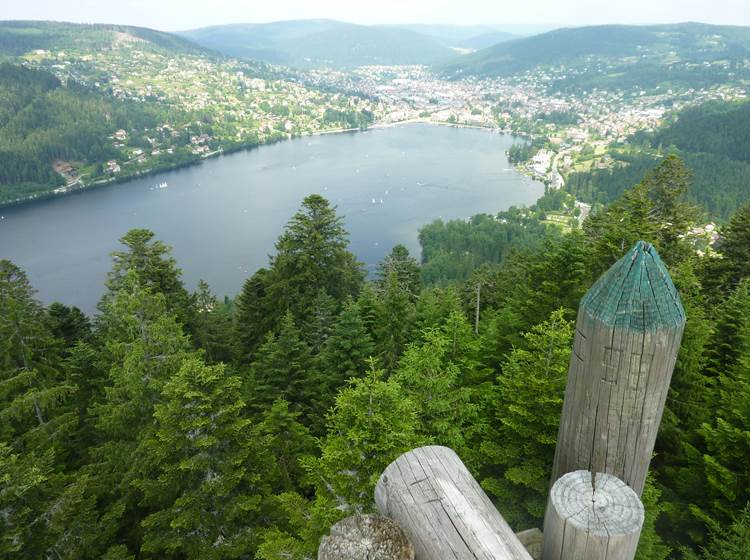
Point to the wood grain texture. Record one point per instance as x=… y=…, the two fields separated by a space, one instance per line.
x=532 y=540
x=628 y=333
x=443 y=511
x=592 y=518
x=366 y=537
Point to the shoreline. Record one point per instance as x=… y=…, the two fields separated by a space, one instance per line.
x=102 y=183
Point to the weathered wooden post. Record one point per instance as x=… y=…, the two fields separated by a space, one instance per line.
x=593 y=518
x=443 y=511
x=627 y=336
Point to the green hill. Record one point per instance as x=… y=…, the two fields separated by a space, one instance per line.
x=619 y=55
x=318 y=43
x=714 y=141
x=19 y=37
x=486 y=40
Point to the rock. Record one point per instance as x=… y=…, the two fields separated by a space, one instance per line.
x=366 y=537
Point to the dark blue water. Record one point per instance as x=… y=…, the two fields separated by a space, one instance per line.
x=223 y=216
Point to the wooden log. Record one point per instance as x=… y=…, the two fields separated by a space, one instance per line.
x=592 y=519
x=627 y=337
x=532 y=540
x=444 y=512
x=366 y=537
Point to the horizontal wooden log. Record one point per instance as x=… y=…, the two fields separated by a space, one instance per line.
x=444 y=512
x=366 y=537
x=592 y=518
x=532 y=540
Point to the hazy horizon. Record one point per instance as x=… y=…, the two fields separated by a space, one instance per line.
x=177 y=15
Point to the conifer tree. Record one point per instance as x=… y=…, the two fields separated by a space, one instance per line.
x=253 y=318
x=203 y=467
x=213 y=325
x=143 y=347
x=727 y=543
x=727 y=440
x=317 y=327
x=312 y=255
x=288 y=442
x=346 y=350
x=404 y=266
x=650 y=544
x=283 y=370
x=395 y=321
x=153 y=265
x=34 y=393
x=68 y=324
x=371 y=424
x=653 y=210
x=431 y=380
x=434 y=306
x=722 y=275
x=523 y=418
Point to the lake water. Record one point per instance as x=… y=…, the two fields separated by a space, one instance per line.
x=223 y=217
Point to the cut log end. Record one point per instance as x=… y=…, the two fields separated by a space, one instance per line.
x=366 y=537
x=592 y=517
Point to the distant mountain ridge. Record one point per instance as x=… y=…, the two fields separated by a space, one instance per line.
x=18 y=37
x=321 y=42
x=693 y=42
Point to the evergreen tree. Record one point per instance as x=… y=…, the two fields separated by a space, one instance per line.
x=404 y=266
x=155 y=268
x=732 y=319
x=727 y=441
x=347 y=350
x=371 y=424
x=288 y=441
x=650 y=544
x=431 y=380
x=34 y=394
x=653 y=210
x=206 y=490
x=731 y=543
x=523 y=415
x=282 y=370
x=213 y=325
x=395 y=321
x=143 y=347
x=253 y=319
x=434 y=306
x=24 y=491
x=320 y=320
x=311 y=255
x=538 y=281
x=722 y=275
x=68 y=324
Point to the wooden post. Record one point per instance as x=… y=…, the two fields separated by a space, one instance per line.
x=443 y=511
x=627 y=336
x=591 y=519
x=366 y=537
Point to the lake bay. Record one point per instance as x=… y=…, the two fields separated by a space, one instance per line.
x=222 y=217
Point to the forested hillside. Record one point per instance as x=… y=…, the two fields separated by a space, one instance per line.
x=42 y=121
x=618 y=56
x=714 y=141
x=18 y=37
x=322 y=43
x=175 y=425
x=85 y=105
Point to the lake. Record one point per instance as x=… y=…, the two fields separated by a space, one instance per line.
x=222 y=217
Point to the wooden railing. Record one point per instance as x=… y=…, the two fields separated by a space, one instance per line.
x=628 y=333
